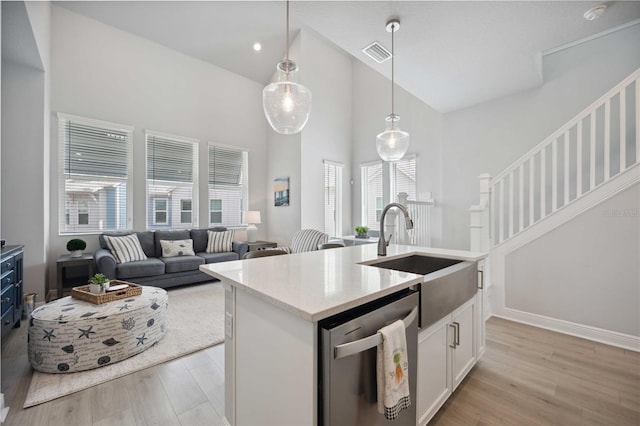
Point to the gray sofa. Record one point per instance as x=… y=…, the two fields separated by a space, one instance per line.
x=161 y=271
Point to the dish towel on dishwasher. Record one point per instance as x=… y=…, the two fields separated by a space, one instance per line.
x=392 y=370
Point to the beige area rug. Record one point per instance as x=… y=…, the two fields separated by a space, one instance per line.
x=188 y=307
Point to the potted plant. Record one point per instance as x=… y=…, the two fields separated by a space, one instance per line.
x=99 y=283
x=362 y=231
x=75 y=246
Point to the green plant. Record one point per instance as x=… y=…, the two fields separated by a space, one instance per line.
x=76 y=244
x=361 y=229
x=99 y=279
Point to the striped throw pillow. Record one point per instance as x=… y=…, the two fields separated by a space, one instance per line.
x=125 y=249
x=221 y=241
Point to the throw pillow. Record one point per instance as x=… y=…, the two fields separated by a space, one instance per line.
x=220 y=242
x=173 y=248
x=125 y=249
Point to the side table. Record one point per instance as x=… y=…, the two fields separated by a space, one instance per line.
x=261 y=245
x=66 y=261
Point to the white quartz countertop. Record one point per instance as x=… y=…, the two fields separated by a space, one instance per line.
x=315 y=285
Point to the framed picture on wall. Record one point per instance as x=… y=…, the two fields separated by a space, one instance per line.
x=281 y=191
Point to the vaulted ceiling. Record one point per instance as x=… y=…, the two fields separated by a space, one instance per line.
x=450 y=54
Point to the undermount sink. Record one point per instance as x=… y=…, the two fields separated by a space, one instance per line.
x=447 y=283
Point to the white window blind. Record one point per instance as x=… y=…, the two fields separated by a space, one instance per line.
x=172 y=175
x=371 y=177
x=403 y=173
x=333 y=198
x=95 y=175
x=227 y=185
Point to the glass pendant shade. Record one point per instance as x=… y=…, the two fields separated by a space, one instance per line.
x=286 y=103
x=393 y=143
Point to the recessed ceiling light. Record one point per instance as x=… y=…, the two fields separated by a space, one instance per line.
x=257 y=47
x=595 y=12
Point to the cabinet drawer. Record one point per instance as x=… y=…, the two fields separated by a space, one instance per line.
x=8 y=264
x=8 y=294
x=7 y=320
x=8 y=278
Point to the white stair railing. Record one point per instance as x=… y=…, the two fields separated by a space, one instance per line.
x=420 y=213
x=591 y=149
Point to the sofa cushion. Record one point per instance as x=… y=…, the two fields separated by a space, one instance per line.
x=126 y=248
x=182 y=234
x=142 y=268
x=219 y=257
x=200 y=238
x=220 y=242
x=177 y=248
x=182 y=263
x=145 y=237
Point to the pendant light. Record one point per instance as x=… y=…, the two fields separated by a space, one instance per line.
x=393 y=143
x=286 y=103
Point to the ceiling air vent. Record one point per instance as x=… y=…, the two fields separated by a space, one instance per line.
x=377 y=52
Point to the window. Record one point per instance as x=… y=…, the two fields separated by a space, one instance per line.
x=185 y=211
x=172 y=177
x=215 y=212
x=95 y=175
x=227 y=185
x=403 y=173
x=333 y=198
x=160 y=211
x=372 y=195
x=83 y=213
x=378 y=209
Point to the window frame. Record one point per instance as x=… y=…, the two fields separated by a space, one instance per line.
x=183 y=210
x=337 y=208
x=244 y=199
x=66 y=206
x=150 y=220
x=364 y=193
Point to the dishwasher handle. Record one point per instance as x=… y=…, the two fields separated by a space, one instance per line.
x=361 y=345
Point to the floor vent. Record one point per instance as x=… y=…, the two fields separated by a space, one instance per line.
x=377 y=52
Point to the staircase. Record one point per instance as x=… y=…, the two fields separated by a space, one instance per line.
x=591 y=158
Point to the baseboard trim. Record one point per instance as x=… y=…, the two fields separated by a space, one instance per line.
x=608 y=337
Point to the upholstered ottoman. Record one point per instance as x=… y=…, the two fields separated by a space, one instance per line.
x=69 y=335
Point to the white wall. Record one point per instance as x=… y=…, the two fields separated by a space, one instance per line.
x=283 y=159
x=326 y=71
x=371 y=105
x=489 y=137
x=104 y=73
x=585 y=271
x=327 y=135
x=25 y=148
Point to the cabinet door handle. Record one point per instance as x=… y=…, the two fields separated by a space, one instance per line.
x=7 y=322
x=453 y=346
x=7 y=300
x=481 y=281
x=457 y=335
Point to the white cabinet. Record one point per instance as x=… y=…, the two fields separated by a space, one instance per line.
x=482 y=307
x=446 y=353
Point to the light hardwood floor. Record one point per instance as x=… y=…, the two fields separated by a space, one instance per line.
x=528 y=376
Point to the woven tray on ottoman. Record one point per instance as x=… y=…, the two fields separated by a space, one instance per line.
x=69 y=334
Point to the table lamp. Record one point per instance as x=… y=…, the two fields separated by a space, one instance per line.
x=252 y=218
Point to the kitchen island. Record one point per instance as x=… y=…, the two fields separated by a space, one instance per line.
x=272 y=309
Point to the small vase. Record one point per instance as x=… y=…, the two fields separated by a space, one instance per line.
x=76 y=253
x=95 y=288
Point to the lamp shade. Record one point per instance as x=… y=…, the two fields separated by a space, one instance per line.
x=251 y=216
x=286 y=104
x=393 y=143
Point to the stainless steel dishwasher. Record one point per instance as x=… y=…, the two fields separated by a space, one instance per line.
x=347 y=361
